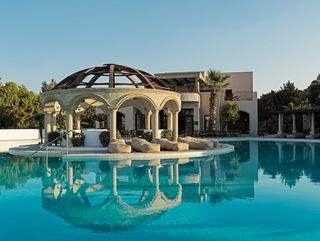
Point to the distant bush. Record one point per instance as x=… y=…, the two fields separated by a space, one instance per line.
x=53 y=135
x=168 y=134
x=105 y=137
x=147 y=136
x=78 y=140
x=140 y=132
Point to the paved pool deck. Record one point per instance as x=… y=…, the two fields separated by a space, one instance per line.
x=87 y=153
x=275 y=139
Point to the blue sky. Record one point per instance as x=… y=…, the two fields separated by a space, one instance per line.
x=279 y=40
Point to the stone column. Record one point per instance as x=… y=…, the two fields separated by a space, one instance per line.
x=280 y=119
x=47 y=125
x=294 y=130
x=69 y=120
x=280 y=152
x=175 y=125
x=312 y=154
x=155 y=124
x=147 y=120
x=169 y=121
x=312 y=130
x=78 y=122
x=54 y=121
x=113 y=123
x=176 y=173
x=294 y=152
x=70 y=176
x=170 y=174
x=155 y=174
x=113 y=181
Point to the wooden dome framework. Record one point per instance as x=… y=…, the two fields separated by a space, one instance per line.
x=89 y=77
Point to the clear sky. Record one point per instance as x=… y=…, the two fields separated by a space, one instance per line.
x=279 y=40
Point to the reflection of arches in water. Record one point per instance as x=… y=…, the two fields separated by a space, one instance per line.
x=242 y=124
x=113 y=213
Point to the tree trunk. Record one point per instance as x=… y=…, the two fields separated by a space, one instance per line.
x=213 y=105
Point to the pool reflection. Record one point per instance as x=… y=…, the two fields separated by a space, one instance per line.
x=108 y=196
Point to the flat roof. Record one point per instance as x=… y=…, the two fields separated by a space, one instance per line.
x=299 y=111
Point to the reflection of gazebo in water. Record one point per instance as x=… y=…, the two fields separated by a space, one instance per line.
x=76 y=205
x=109 y=88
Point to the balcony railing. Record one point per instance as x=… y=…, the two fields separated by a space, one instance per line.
x=239 y=96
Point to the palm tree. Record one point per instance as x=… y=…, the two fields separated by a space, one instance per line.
x=216 y=81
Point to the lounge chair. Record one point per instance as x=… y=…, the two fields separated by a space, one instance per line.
x=141 y=145
x=119 y=146
x=165 y=144
x=215 y=142
x=197 y=143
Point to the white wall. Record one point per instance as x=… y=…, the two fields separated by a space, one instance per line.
x=15 y=137
x=251 y=107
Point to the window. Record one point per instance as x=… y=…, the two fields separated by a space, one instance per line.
x=228 y=95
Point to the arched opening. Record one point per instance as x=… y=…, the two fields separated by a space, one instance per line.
x=242 y=124
x=140 y=120
x=54 y=119
x=163 y=124
x=169 y=116
x=121 y=121
x=137 y=113
x=186 y=117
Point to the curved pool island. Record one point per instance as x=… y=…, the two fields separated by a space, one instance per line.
x=102 y=153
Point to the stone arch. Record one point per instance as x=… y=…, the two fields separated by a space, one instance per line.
x=76 y=101
x=136 y=97
x=47 y=100
x=171 y=103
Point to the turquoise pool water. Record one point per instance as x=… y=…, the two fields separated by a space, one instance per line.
x=262 y=191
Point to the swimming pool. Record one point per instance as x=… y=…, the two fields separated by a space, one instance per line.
x=262 y=191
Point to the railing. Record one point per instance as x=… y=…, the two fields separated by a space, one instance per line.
x=239 y=95
x=53 y=141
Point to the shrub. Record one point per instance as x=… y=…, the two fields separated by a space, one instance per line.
x=147 y=136
x=53 y=135
x=167 y=134
x=78 y=140
x=140 y=133
x=105 y=137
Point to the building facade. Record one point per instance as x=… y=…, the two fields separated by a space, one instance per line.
x=194 y=114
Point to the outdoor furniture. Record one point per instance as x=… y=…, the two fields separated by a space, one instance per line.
x=119 y=146
x=197 y=143
x=215 y=142
x=165 y=144
x=141 y=145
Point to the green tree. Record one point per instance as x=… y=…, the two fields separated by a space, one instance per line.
x=288 y=97
x=216 y=81
x=19 y=107
x=88 y=117
x=313 y=93
x=230 y=113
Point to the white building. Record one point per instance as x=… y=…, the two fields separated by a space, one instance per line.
x=195 y=100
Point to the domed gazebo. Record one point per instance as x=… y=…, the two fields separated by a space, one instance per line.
x=110 y=87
